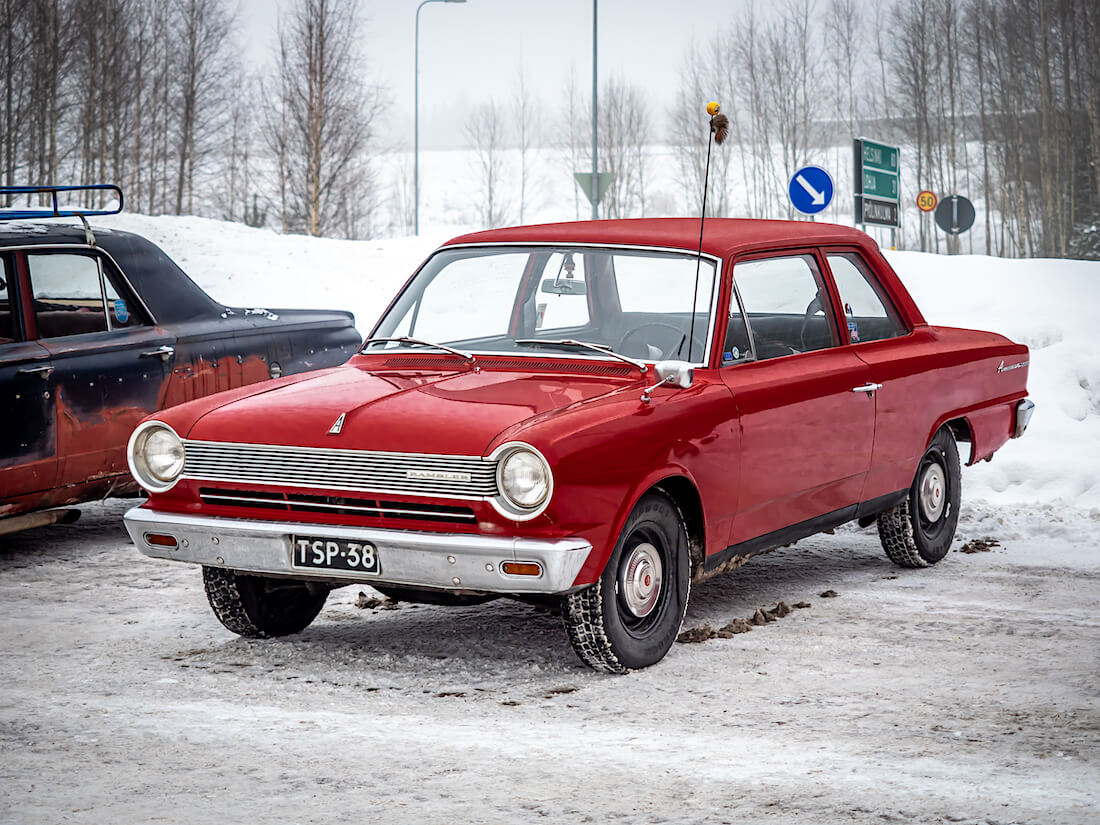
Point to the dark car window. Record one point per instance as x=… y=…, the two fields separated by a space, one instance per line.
x=69 y=300
x=787 y=307
x=7 y=316
x=868 y=313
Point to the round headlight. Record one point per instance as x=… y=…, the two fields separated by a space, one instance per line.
x=155 y=456
x=524 y=481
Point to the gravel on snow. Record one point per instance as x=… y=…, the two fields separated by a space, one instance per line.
x=963 y=693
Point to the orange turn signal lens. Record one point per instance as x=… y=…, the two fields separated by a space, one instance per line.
x=521 y=568
x=161 y=540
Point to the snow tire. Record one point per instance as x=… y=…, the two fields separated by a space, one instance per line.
x=258 y=607
x=910 y=537
x=606 y=635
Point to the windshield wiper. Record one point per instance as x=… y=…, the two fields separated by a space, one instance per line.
x=603 y=349
x=466 y=356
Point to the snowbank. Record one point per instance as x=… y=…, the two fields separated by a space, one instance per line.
x=1051 y=306
x=1047 y=304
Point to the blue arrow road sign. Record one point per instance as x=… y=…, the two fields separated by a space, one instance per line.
x=811 y=189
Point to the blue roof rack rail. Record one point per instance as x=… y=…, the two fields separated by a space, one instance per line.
x=9 y=214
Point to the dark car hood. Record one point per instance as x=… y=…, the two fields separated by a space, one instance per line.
x=457 y=413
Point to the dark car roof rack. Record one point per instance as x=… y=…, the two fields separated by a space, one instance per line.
x=9 y=214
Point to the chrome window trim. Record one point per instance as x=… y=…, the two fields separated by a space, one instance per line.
x=85 y=248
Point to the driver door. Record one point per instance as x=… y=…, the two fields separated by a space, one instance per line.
x=806 y=434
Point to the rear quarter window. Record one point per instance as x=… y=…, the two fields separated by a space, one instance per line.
x=868 y=312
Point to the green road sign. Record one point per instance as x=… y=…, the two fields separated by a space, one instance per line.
x=880 y=156
x=584 y=180
x=879 y=184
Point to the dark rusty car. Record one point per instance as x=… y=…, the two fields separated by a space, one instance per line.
x=595 y=414
x=99 y=328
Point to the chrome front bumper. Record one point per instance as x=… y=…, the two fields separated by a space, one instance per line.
x=448 y=561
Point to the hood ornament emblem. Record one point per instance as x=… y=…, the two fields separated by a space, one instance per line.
x=337 y=425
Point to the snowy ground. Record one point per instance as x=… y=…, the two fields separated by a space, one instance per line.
x=969 y=692
x=963 y=693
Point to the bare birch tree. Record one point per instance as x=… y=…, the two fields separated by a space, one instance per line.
x=485 y=130
x=331 y=114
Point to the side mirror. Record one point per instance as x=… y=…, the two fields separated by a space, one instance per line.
x=678 y=373
x=673 y=373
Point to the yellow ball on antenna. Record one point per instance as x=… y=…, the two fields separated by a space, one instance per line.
x=713 y=108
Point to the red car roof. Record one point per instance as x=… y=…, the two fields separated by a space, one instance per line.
x=721 y=236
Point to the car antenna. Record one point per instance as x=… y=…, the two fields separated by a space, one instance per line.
x=719 y=128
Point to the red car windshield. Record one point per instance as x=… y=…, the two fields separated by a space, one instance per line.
x=642 y=304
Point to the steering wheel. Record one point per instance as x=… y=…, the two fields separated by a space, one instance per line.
x=676 y=339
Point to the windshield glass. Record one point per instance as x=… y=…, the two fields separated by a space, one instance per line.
x=496 y=299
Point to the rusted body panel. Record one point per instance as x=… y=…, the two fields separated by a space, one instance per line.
x=71 y=401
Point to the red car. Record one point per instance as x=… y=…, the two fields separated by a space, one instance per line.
x=595 y=414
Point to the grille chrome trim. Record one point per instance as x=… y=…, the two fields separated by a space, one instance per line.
x=329 y=468
x=296 y=503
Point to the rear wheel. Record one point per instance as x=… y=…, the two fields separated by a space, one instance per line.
x=261 y=608
x=630 y=617
x=919 y=531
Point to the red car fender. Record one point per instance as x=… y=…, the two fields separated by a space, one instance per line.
x=597 y=560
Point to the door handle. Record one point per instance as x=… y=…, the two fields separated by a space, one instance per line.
x=163 y=353
x=867 y=388
x=44 y=371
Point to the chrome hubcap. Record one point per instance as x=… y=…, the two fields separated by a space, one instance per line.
x=932 y=493
x=640 y=580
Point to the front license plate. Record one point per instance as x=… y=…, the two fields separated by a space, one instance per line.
x=312 y=553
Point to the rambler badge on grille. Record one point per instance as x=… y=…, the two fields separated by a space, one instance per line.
x=437 y=475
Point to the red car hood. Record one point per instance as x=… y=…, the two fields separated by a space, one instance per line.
x=454 y=413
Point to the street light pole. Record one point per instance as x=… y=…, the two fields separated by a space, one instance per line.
x=595 y=111
x=416 y=114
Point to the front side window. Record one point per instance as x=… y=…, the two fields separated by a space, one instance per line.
x=786 y=304
x=867 y=312
x=69 y=298
x=645 y=305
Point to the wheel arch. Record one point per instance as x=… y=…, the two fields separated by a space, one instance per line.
x=958 y=424
x=961 y=430
x=685 y=495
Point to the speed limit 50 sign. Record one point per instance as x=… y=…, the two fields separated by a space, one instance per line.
x=926 y=200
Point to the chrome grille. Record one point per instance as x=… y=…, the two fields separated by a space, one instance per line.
x=335 y=505
x=450 y=476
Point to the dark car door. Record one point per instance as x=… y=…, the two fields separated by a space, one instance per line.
x=28 y=462
x=806 y=405
x=110 y=362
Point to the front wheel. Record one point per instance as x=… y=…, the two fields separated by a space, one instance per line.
x=259 y=607
x=630 y=617
x=919 y=531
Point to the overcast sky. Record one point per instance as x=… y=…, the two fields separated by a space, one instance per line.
x=472 y=52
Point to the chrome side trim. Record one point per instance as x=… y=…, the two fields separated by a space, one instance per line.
x=448 y=561
x=330 y=468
